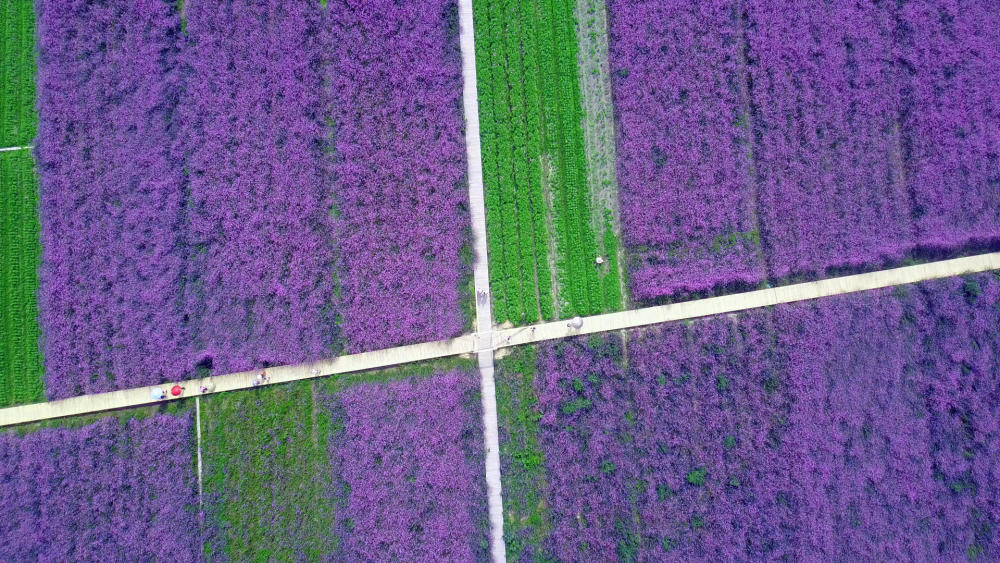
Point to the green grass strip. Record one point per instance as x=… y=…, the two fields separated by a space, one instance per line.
x=20 y=254
x=508 y=175
x=527 y=519
x=526 y=232
x=487 y=87
x=612 y=279
x=534 y=125
x=267 y=481
x=18 y=122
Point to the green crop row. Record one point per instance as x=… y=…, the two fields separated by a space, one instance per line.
x=17 y=73
x=527 y=521
x=515 y=212
x=20 y=255
x=576 y=244
x=532 y=138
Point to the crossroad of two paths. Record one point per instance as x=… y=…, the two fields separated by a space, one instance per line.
x=472 y=344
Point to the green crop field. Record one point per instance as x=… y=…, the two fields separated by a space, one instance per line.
x=538 y=206
x=17 y=73
x=20 y=254
x=266 y=471
x=527 y=521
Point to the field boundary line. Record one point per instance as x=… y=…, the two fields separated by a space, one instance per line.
x=470 y=344
x=8 y=149
x=197 y=415
x=481 y=277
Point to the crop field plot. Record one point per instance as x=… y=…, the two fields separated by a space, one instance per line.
x=18 y=120
x=376 y=467
x=198 y=219
x=20 y=253
x=109 y=490
x=542 y=223
x=760 y=141
x=834 y=429
x=266 y=475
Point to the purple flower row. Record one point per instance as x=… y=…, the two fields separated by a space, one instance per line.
x=401 y=193
x=411 y=460
x=109 y=491
x=111 y=196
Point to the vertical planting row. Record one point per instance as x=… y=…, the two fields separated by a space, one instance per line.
x=259 y=283
x=111 y=196
x=20 y=253
x=401 y=195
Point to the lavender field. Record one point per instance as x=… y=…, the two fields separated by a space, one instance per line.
x=762 y=140
x=108 y=491
x=245 y=185
x=855 y=427
x=408 y=459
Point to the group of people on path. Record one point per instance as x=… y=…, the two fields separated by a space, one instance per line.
x=159 y=393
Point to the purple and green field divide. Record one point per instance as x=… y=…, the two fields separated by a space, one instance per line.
x=379 y=467
x=862 y=426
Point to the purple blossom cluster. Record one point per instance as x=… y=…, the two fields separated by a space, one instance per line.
x=683 y=165
x=849 y=428
x=770 y=139
x=950 y=56
x=260 y=280
x=229 y=194
x=111 y=197
x=109 y=491
x=829 y=158
x=410 y=458
x=401 y=196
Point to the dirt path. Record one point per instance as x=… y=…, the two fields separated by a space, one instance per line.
x=599 y=124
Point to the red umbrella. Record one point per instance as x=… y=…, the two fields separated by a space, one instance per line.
x=176 y=390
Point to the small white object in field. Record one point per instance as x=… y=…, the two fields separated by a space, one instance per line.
x=157 y=393
x=575 y=322
x=315 y=371
x=600 y=260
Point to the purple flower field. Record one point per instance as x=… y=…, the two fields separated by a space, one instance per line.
x=410 y=459
x=266 y=184
x=855 y=427
x=111 y=196
x=260 y=281
x=772 y=139
x=104 y=492
x=683 y=167
x=401 y=193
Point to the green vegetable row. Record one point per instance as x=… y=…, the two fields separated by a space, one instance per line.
x=532 y=136
x=17 y=73
x=20 y=255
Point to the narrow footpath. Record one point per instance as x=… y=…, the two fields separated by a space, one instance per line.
x=484 y=310
x=487 y=341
